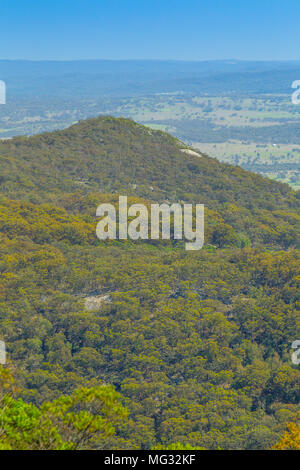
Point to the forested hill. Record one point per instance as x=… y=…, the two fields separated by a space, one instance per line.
x=155 y=346
x=109 y=155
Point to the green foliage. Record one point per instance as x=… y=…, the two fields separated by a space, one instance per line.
x=196 y=344
x=83 y=419
x=108 y=155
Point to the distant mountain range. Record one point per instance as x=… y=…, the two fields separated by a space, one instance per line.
x=127 y=78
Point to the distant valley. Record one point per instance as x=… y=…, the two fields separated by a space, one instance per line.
x=238 y=112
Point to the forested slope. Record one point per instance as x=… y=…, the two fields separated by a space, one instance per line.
x=197 y=344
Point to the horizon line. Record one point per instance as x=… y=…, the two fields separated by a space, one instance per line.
x=152 y=60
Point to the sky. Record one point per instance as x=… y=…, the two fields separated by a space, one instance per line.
x=150 y=29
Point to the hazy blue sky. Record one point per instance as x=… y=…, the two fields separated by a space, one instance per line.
x=149 y=29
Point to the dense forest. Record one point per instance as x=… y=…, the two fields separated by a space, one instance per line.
x=143 y=345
